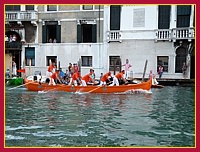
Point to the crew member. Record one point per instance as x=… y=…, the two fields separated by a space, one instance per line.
x=118 y=78
x=55 y=77
x=75 y=79
x=106 y=79
x=88 y=78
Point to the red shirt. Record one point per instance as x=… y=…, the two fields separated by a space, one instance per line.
x=105 y=77
x=50 y=68
x=119 y=75
x=87 y=77
x=75 y=76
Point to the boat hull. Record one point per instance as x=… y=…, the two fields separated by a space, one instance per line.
x=35 y=86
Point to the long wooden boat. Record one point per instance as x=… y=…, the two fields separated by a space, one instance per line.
x=35 y=86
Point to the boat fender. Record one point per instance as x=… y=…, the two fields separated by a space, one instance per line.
x=47 y=80
x=35 y=78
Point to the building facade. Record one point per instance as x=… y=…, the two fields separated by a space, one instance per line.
x=102 y=37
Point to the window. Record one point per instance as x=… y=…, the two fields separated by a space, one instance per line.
x=86 y=33
x=30 y=56
x=12 y=7
x=29 y=7
x=164 y=16
x=86 y=61
x=51 y=32
x=183 y=16
x=163 y=60
x=51 y=59
x=114 y=64
x=51 y=7
x=87 y=7
x=115 y=12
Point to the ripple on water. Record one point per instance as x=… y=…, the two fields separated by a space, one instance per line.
x=11 y=137
x=8 y=128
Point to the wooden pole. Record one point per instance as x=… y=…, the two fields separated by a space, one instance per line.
x=145 y=67
x=29 y=67
x=58 y=65
x=11 y=70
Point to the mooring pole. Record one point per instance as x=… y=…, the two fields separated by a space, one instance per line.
x=145 y=67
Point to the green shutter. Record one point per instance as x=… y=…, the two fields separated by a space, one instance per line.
x=94 y=33
x=58 y=33
x=115 y=14
x=44 y=34
x=79 y=39
x=164 y=16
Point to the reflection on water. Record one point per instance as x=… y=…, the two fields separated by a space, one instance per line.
x=164 y=117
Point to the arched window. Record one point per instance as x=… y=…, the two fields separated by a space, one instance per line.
x=181 y=54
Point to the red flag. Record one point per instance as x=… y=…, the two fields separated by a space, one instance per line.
x=21 y=70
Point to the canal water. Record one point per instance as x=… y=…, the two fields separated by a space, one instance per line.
x=161 y=117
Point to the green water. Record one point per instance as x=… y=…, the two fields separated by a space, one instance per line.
x=162 y=117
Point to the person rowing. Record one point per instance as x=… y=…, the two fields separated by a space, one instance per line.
x=88 y=78
x=118 y=78
x=55 y=77
x=75 y=79
x=106 y=79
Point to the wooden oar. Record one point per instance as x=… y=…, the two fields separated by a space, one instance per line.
x=19 y=86
x=94 y=89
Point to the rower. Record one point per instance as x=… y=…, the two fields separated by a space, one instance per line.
x=118 y=78
x=88 y=78
x=55 y=76
x=75 y=79
x=106 y=79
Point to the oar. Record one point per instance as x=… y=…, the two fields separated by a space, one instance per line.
x=19 y=86
x=94 y=89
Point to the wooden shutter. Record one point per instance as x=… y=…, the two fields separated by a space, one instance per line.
x=183 y=16
x=94 y=33
x=44 y=34
x=164 y=16
x=79 y=38
x=58 y=33
x=115 y=13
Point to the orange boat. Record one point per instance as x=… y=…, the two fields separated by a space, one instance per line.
x=35 y=86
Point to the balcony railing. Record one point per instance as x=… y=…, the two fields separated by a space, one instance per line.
x=114 y=36
x=175 y=34
x=20 y=16
x=160 y=34
x=163 y=34
x=183 y=33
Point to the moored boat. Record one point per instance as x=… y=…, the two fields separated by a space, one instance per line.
x=15 y=81
x=38 y=86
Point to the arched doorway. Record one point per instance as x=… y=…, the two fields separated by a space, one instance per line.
x=181 y=54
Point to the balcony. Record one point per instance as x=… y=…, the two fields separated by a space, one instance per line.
x=114 y=36
x=20 y=16
x=175 y=34
x=15 y=45
x=163 y=34
x=183 y=33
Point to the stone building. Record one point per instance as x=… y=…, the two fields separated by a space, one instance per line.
x=102 y=37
